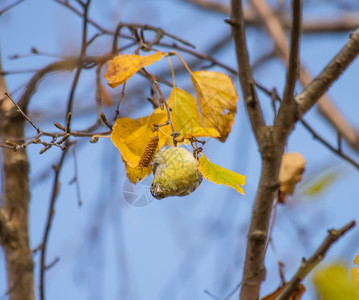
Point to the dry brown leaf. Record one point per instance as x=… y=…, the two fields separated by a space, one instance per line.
x=291 y=170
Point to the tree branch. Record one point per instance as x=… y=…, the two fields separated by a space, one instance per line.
x=244 y=71
x=14 y=229
x=286 y=114
x=294 y=62
x=311 y=93
x=325 y=106
x=338 y=151
x=254 y=270
x=308 y=265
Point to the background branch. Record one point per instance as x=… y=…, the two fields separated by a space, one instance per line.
x=50 y=215
x=15 y=196
x=342 y=23
x=308 y=265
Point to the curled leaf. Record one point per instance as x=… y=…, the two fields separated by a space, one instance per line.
x=217 y=100
x=131 y=136
x=219 y=175
x=122 y=67
x=291 y=170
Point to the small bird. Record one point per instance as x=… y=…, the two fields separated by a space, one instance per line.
x=175 y=173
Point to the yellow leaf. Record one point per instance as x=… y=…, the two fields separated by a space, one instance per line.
x=185 y=116
x=320 y=182
x=355 y=271
x=132 y=136
x=333 y=283
x=220 y=175
x=136 y=174
x=217 y=100
x=122 y=67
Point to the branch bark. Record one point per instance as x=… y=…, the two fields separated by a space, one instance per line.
x=244 y=70
x=14 y=230
x=325 y=105
x=272 y=139
x=271 y=149
x=312 y=92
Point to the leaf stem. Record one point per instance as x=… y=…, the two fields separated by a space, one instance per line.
x=182 y=60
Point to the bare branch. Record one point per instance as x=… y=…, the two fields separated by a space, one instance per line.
x=286 y=114
x=308 y=265
x=325 y=106
x=63 y=65
x=55 y=190
x=271 y=150
x=15 y=196
x=311 y=93
x=316 y=135
x=293 y=64
x=342 y=23
x=244 y=71
x=79 y=66
x=23 y=114
x=10 y=6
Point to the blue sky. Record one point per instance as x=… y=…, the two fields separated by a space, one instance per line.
x=176 y=248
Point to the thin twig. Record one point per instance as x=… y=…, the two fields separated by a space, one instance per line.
x=236 y=288
x=10 y=6
x=122 y=96
x=23 y=114
x=163 y=99
x=55 y=190
x=199 y=55
x=308 y=265
x=80 y=14
x=342 y=23
x=98 y=90
x=82 y=55
x=76 y=176
x=211 y=295
x=157 y=29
